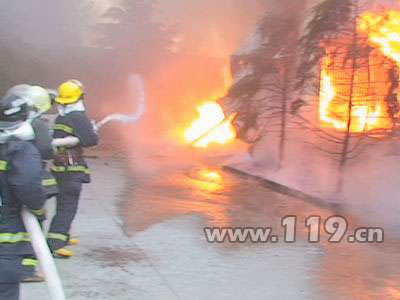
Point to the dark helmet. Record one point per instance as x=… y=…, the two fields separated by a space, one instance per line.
x=14 y=110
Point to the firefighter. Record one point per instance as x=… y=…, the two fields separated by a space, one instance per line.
x=40 y=101
x=20 y=184
x=73 y=131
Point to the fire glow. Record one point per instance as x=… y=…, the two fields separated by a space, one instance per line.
x=356 y=99
x=383 y=32
x=211 y=127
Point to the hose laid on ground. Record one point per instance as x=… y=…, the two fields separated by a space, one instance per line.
x=44 y=256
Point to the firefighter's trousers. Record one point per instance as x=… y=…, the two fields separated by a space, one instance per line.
x=70 y=187
x=10 y=276
x=9 y=291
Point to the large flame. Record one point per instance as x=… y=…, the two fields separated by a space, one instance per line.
x=383 y=32
x=211 y=126
x=358 y=101
x=368 y=109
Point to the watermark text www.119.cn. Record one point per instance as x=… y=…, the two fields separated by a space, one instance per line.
x=335 y=227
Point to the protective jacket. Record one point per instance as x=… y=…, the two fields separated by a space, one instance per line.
x=21 y=174
x=42 y=142
x=70 y=160
x=43 y=139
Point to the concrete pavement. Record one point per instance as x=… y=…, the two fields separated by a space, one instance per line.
x=108 y=265
x=168 y=260
x=141 y=233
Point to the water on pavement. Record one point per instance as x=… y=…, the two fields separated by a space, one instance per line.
x=176 y=203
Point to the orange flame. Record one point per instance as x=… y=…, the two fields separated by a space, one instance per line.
x=367 y=86
x=210 y=127
x=383 y=32
x=368 y=110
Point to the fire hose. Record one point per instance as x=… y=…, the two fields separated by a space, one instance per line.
x=44 y=255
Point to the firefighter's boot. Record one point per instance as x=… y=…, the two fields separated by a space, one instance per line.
x=63 y=253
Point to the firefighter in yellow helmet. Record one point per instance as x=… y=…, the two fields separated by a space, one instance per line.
x=73 y=131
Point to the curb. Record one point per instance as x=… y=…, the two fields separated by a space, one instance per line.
x=280 y=188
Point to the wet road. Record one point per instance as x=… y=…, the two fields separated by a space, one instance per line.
x=176 y=203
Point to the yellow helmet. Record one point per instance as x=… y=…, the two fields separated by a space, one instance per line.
x=69 y=92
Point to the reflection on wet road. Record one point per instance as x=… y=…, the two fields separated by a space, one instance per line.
x=338 y=271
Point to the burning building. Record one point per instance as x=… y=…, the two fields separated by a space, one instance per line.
x=347 y=70
x=324 y=83
x=359 y=76
x=340 y=64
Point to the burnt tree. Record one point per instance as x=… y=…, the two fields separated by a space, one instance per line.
x=265 y=93
x=281 y=34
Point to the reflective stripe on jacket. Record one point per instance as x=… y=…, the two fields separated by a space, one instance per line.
x=61 y=169
x=70 y=160
x=12 y=238
x=21 y=173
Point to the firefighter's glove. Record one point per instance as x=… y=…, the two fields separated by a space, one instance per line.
x=68 y=141
x=95 y=126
